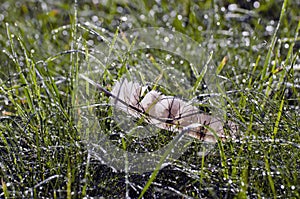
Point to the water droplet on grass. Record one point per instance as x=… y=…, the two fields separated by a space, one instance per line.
x=166 y=39
x=95 y=18
x=232 y=7
x=293 y=187
x=124 y=18
x=142 y=17
x=256 y=4
x=269 y=28
x=286 y=45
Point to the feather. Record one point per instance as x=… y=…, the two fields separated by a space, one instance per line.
x=168 y=112
x=129 y=93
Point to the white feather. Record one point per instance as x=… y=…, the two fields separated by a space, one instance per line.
x=168 y=112
x=128 y=92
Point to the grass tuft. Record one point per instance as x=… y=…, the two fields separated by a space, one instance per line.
x=45 y=45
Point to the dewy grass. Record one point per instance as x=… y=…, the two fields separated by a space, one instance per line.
x=44 y=155
x=273 y=41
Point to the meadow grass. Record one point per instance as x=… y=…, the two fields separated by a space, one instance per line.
x=44 y=44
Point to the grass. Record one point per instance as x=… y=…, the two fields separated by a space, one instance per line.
x=42 y=152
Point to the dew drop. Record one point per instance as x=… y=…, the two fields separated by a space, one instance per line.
x=286 y=45
x=168 y=57
x=256 y=4
x=232 y=7
x=200 y=28
x=245 y=33
x=142 y=17
x=269 y=28
x=120 y=9
x=173 y=13
x=124 y=18
x=166 y=39
x=293 y=187
x=95 y=18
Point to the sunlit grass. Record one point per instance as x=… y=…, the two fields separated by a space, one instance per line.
x=43 y=153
